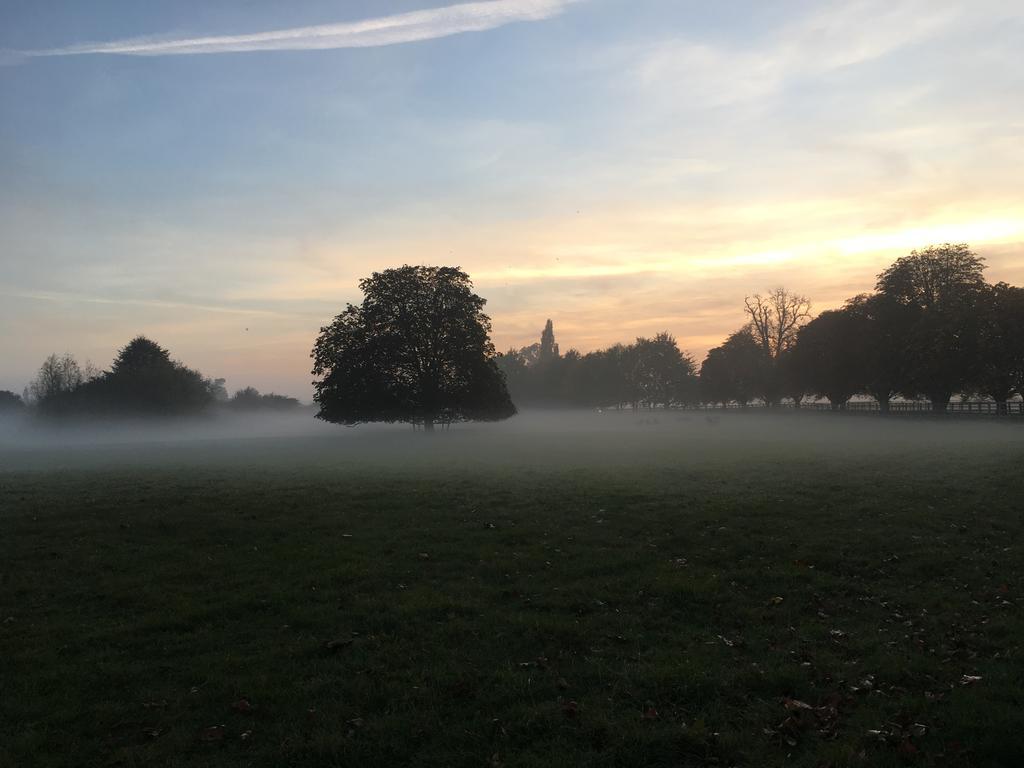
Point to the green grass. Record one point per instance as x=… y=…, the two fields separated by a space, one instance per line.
x=690 y=595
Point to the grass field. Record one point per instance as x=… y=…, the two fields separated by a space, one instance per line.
x=749 y=591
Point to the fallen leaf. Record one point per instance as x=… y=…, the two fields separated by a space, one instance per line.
x=213 y=733
x=794 y=705
x=242 y=705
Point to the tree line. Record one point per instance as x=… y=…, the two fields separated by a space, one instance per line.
x=143 y=381
x=417 y=349
x=932 y=328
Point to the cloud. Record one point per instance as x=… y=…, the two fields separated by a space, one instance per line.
x=835 y=37
x=384 y=30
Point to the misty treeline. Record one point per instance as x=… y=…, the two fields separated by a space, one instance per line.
x=417 y=349
x=933 y=328
x=142 y=381
x=650 y=371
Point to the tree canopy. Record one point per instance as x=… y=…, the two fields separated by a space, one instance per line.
x=943 y=289
x=417 y=349
x=735 y=371
x=143 y=380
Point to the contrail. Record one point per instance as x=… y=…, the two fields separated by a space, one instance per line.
x=384 y=30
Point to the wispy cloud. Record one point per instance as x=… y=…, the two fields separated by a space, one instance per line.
x=383 y=30
x=155 y=303
x=837 y=35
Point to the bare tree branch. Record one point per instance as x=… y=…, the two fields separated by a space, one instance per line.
x=776 y=318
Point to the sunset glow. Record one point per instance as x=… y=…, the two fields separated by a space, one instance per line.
x=620 y=168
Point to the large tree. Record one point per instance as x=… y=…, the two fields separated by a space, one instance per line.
x=145 y=381
x=943 y=288
x=735 y=371
x=58 y=378
x=829 y=353
x=417 y=349
x=885 y=325
x=664 y=374
x=775 y=319
x=1001 y=368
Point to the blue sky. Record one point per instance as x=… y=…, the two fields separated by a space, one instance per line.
x=623 y=167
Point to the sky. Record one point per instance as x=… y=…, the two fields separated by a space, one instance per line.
x=219 y=176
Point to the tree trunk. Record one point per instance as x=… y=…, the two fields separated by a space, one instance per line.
x=428 y=424
x=1001 y=408
x=940 y=403
x=883 y=405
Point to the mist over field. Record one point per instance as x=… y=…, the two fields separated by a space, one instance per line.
x=538 y=440
x=512 y=384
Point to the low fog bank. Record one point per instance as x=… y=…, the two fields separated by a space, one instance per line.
x=535 y=440
x=25 y=432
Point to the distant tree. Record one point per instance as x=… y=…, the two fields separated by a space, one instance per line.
x=791 y=377
x=664 y=375
x=943 y=289
x=217 y=390
x=250 y=399
x=537 y=374
x=1001 y=367
x=548 y=350
x=602 y=378
x=829 y=353
x=886 y=325
x=58 y=377
x=775 y=320
x=933 y=276
x=734 y=372
x=143 y=380
x=10 y=402
x=417 y=349
x=514 y=367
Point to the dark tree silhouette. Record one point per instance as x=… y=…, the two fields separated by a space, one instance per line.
x=417 y=350
x=791 y=377
x=250 y=399
x=886 y=325
x=10 y=402
x=548 y=350
x=58 y=378
x=664 y=375
x=775 y=320
x=1001 y=366
x=734 y=372
x=144 y=381
x=829 y=353
x=943 y=289
x=217 y=390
